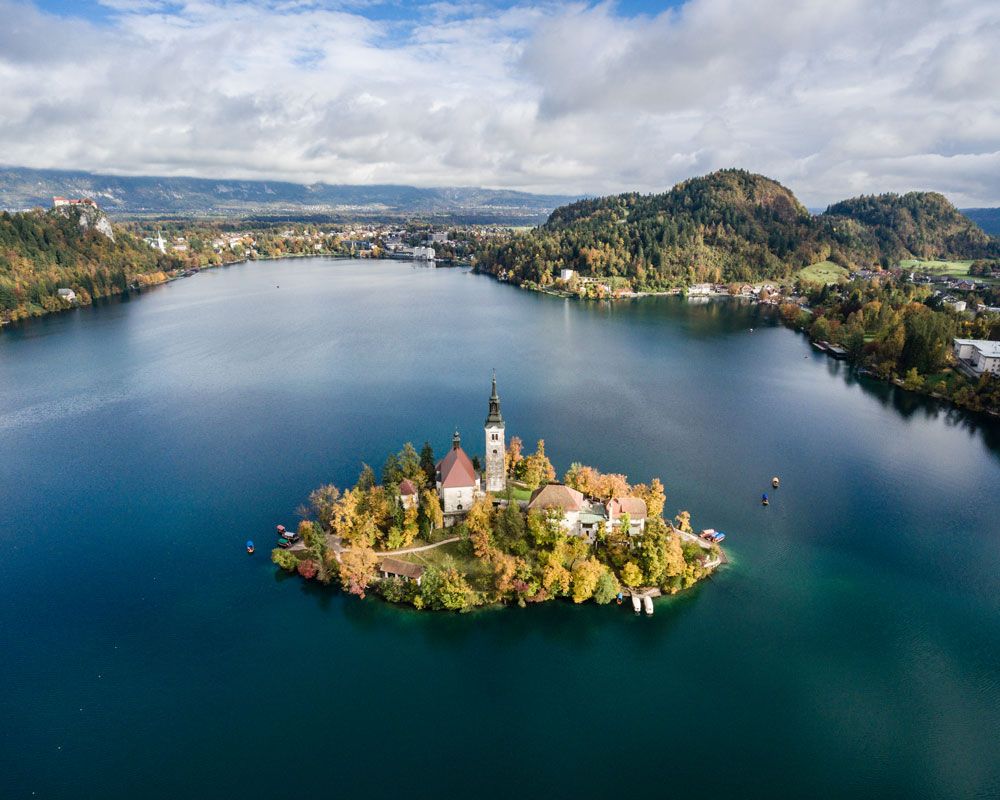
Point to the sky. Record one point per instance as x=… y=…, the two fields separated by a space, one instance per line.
x=834 y=98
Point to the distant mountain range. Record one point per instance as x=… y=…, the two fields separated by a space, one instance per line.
x=986 y=218
x=22 y=188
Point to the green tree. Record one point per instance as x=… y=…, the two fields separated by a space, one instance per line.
x=607 y=588
x=427 y=463
x=324 y=501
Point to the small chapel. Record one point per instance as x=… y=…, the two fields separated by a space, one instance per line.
x=459 y=485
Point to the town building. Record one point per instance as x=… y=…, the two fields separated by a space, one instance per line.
x=976 y=356
x=567 y=274
x=421 y=253
x=59 y=202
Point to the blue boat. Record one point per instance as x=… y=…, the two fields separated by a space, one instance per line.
x=763 y=500
x=718 y=537
x=250 y=547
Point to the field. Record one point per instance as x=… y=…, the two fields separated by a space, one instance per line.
x=822 y=272
x=957 y=269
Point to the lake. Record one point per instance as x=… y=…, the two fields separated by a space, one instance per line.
x=852 y=648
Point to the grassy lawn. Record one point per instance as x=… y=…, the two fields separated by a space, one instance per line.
x=518 y=493
x=455 y=553
x=958 y=269
x=823 y=272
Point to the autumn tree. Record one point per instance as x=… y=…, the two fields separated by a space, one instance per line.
x=654 y=496
x=585 y=575
x=513 y=455
x=430 y=509
x=536 y=468
x=683 y=521
x=358 y=568
x=631 y=574
x=479 y=521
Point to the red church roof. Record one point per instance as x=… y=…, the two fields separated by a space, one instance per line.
x=406 y=487
x=456 y=470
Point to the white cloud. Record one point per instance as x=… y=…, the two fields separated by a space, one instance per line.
x=833 y=97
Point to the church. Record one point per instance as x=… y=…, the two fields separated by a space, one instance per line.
x=459 y=485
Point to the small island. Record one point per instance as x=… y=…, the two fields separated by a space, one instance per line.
x=453 y=534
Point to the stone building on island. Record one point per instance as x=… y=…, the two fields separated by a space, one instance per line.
x=459 y=485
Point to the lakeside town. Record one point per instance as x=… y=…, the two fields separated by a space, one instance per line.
x=842 y=310
x=460 y=532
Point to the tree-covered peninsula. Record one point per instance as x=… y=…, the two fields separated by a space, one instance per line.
x=456 y=533
x=727 y=227
x=75 y=248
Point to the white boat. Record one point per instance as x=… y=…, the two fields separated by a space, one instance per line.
x=647 y=603
x=636 y=604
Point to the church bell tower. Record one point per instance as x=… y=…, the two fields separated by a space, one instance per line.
x=496 y=455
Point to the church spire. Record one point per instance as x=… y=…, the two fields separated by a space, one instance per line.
x=456 y=440
x=494 y=418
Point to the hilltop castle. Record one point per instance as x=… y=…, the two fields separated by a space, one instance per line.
x=459 y=485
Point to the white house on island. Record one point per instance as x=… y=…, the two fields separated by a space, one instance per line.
x=583 y=516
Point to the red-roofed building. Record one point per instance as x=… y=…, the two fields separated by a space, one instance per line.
x=59 y=202
x=457 y=482
x=408 y=493
x=635 y=507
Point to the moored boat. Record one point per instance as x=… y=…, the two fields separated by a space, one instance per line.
x=647 y=604
x=636 y=605
x=775 y=482
x=250 y=547
x=763 y=500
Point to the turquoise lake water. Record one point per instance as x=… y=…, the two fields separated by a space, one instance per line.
x=852 y=648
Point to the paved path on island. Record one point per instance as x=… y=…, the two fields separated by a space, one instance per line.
x=336 y=545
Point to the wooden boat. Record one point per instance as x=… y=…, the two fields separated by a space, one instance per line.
x=636 y=605
x=647 y=604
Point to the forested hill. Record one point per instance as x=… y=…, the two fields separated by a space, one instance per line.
x=730 y=226
x=73 y=248
x=913 y=225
